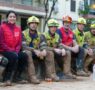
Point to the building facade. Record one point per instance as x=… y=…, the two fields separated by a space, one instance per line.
x=67 y=7
x=26 y=8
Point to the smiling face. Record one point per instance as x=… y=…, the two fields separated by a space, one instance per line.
x=80 y=27
x=67 y=25
x=52 y=29
x=11 y=18
x=93 y=31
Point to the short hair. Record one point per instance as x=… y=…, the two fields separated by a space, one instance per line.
x=11 y=11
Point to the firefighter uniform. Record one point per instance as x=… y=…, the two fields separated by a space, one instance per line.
x=80 y=35
x=90 y=42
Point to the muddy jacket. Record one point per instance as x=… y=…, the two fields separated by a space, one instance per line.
x=90 y=39
x=36 y=41
x=53 y=40
x=79 y=37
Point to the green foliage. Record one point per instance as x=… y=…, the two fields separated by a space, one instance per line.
x=86 y=9
x=89 y=22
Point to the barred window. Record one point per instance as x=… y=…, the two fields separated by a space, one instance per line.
x=73 y=5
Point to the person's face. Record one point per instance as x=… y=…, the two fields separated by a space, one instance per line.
x=80 y=27
x=33 y=26
x=53 y=29
x=11 y=18
x=93 y=31
x=67 y=25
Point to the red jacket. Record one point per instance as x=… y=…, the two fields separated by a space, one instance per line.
x=67 y=38
x=10 y=37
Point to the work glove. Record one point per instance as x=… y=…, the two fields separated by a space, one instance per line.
x=58 y=51
x=63 y=52
x=37 y=52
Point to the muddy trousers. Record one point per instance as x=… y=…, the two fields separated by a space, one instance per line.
x=87 y=61
x=48 y=61
x=30 y=65
x=50 y=64
x=64 y=62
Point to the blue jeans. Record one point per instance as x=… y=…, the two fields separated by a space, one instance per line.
x=80 y=59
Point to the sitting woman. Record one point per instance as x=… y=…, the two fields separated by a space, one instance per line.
x=10 y=45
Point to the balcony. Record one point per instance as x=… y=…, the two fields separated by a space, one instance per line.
x=29 y=5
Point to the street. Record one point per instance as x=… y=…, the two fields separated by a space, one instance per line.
x=82 y=83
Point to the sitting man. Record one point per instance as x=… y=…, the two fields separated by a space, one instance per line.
x=79 y=35
x=89 y=40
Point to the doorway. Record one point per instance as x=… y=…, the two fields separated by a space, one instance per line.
x=23 y=23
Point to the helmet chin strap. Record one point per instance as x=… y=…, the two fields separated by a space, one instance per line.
x=93 y=34
x=32 y=31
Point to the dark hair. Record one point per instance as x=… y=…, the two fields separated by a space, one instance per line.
x=10 y=12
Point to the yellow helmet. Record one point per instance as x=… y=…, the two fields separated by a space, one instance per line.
x=81 y=20
x=92 y=25
x=32 y=19
x=53 y=22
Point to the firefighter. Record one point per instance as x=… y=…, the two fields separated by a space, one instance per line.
x=89 y=40
x=62 y=56
x=69 y=43
x=79 y=36
x=34 y=44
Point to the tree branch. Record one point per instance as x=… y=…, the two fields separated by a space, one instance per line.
x=47 y=17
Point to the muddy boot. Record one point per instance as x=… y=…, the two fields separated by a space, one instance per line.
x=50 y=66
x=81 y=73
x=55 y=77
x=67 y=62
x=8 y=78
x=31 y=69
x=7 y=83
x=34 y=80
x=87 y=63
x=71 y=76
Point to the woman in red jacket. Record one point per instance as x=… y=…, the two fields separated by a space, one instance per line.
x=10 y=45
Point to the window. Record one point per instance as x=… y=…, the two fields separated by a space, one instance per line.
x=26 y=2
x=92 y=1
x=73 y=5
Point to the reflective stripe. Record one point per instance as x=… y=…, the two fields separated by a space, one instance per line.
x=35 y=41
x=79 y=37
x=52 y=41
